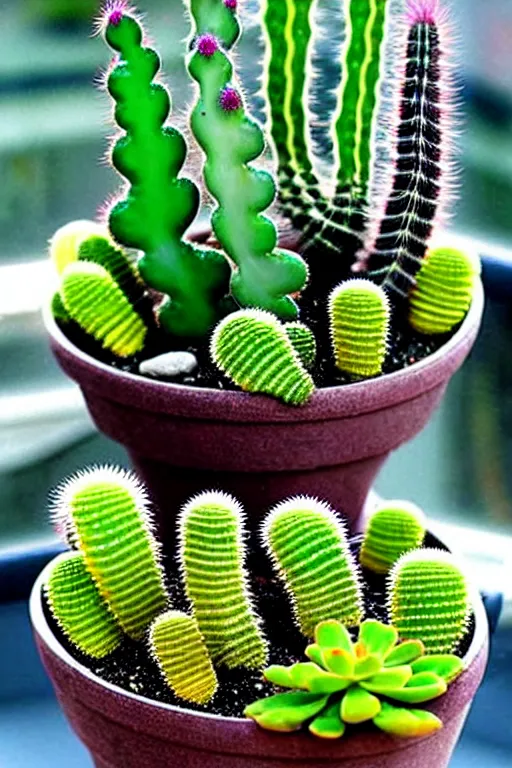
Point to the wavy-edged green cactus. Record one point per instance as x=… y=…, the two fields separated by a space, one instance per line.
x=429 y=599
x=308 y=546
x=303 y=341
x=159 y=206
x=102 y=251
x=212 y=555
x=359 y=315
x=180 y=651
x=58 y=309
x=93 y=299
x=105 y=513
x=396 y=527
x=66 y=241
x=344 y=682
x=444 y=290
x=252 y=348
x=218 y=18
x=264 y=276
x=78 y=607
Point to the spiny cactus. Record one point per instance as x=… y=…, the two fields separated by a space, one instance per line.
x=180 y=651
x=212 y=555
x=394 y=252
x=159 y=206
x=359 y=315
x=58 y=309
x=396 y=527
x=251 y=347
x=264 y=277
x=78 y=607
x=105 y=514
x=429 y=599
x=94 y=300
x=303 y=341
x=102 y=251
x=65 y=243
x=217 y=18
x=308 y=546
x=344 y=682
x=444 y=290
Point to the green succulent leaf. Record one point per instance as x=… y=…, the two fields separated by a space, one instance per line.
x=339 y=661
x=328 y=724
x=376 y=638
x=332 y=634
x=388 y=680
x=359 y=705
x=406 y=723
x=422 y=687
x=277 y=674
x=310 y=677
x=405 y=653
x=445 y=665
x=314 y=653
x=367 y=667
x=286 y=712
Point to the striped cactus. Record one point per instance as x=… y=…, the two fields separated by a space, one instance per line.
x=396 y=527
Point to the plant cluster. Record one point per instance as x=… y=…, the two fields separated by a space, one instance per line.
x=113 y=584
x=362 y=231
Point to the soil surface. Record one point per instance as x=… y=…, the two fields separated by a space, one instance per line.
x=132 y=668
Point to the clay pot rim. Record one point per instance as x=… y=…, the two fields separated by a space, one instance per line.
x=229 y=405
x=44 y=631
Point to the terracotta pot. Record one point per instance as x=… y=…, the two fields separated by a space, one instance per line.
x=123 y=730
x=183 y=439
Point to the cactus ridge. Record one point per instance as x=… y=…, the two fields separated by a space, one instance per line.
x=444 y=290
x=100 y=250
x=303 y=341
x=429 y=600
x=212 y=555
x=251 y=347
x=308 y=546
x=65 y=243
x=180 y=651
x=107 y=514
x=78 y=607
x=359 y=315
x=394 y=529
x=93 y=299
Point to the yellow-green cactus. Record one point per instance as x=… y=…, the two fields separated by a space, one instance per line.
x=102 y=251
x=78 y=607
x=180 y=652
x=396 y=527
x=359 y=314
x=444 y=290
x=94 y=300
x=429 y=599
x=308 y=545
x=303 y=341
x=252 y=348
x=65 y=243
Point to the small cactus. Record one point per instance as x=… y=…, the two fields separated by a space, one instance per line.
x=395 y=528
x=212 y=555
x=105 y=514
x=444 y=290
x=179 y=650
x=429 y=599
x=58 y=309
x=65 y=243
x=251 y=347
x=308 y=545
x=359 y=314
x=344 y=683
x=102 y=251
x=78 y=607
x=303 y=341
x=93 y=299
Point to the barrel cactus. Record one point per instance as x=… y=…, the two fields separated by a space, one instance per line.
x=396 y=527
x=303 y=341
x=65 y=243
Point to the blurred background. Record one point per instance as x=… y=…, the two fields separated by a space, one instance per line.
x=53 y=134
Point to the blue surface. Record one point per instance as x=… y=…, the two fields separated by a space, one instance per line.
x=34 y=733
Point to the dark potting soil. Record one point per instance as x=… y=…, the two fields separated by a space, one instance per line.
x=132 y=668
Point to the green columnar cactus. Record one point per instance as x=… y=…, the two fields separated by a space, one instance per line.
x=344 y=682
x=444 y=290
x=78 y=607
x=354 y=121
x=94 y=300
x=303 y=341
x=58 y=309
x=264 y=276
x=212 y=555
x=217 y=18
x=159 y=206
x=429 y=599
x=308 y=546
x=102 y=251
x=359 y=314
x=105 y=514
x=180 y=651
x=396 y=527
x=252 y=348
x=65 y=243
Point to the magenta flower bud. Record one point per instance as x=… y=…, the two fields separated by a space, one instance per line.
x=207 y=45
x=230 y=100
x=231 y=4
